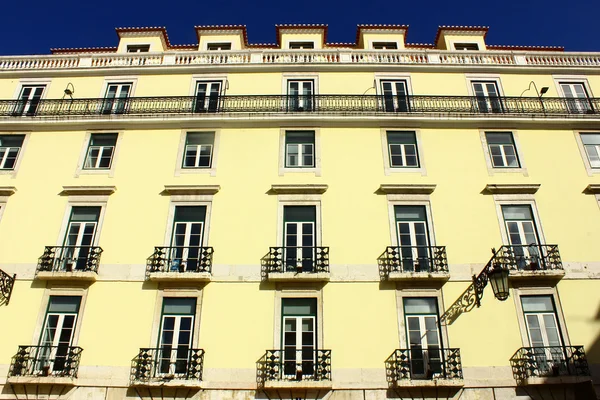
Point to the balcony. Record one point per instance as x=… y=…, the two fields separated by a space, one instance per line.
x=45 y=364
x=180 y=264
x=414 y=264
x=307 y=264
x=7 y=283
x=414 y=106
x=534 y=262
x=544 y=365
x=295 y=369
x=168 y=367
x=431 y=367
x=73 y=263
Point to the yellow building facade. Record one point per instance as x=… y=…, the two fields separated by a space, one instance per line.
x=300 y=220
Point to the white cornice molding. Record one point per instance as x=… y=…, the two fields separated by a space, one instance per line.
x=6 y=191
x=191 y=190
x=496 y=188
x=299 y=188
x=88 y=190
x=393 y=188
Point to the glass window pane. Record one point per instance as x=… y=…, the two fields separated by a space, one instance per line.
x=64 y=304
x=420 y=305
x=410 y=213
x=300 y=213
x=190 y=213
x=299 y=306
x=522 y=213
x=104 y=139
x=499 y=138
x=537 y=304
x=300 y=137
x=83 y=214
x=179 y=305
x=200 y=138
x=402 y=138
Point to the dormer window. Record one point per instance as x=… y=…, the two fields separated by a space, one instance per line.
x=218 y=46
x=138 y=48
x=385 y=46
x=466 y=46
x=301 y=45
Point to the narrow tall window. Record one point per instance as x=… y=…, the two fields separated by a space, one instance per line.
x=591 y=144
x=299 y=336
x=198 y=150
x=299 y=237
x=423 y=336
x=523 y=236
x=10 y=147
x=187 y=238
x=101 y=150
x=207 y=96
x=115 y=99
x=577 y=97
x=488 y=100
x=29 y=100
x=395 y=96
x=502 y=149
x=175 y=337
x=57 y=334
x=413 y=238
x=402 y=148
x=79 y=238
x=300 y=95
x=300 y=149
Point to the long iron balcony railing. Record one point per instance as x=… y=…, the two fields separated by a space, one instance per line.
x=298 y=259
x=70 y=259
x=531 y=257
x=43 y=361
x=166 y=363
x=180 y=259
x=294 y=365
x=489 y=106
x=410 y=259
x=419 y=363
x=551 y=361
x=7 y=283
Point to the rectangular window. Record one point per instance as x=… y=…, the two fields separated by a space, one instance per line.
x=29 y=100
x=591 y=144
x=402 y=148
x=577 y=97
x=300 y=149
x=502 y=149
x=57 y=334
x=187 y=238
x=175 y=337
x=300 y=237
x=299 y=336
x=385 y=45
x=79 y=238
x=300 y=95
x=423 y=336
x=218 y=46
x=395 y=96
x=198 y=149
x=138 y=48
x=208 y=96
x=466 y=46
x=115 y=99
x=413 y=238
x=522 y=235
x=302 y=45
x=101 y=150
x=487 y=96
x=10 y=147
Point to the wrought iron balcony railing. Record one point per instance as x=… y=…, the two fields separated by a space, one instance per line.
x=180 y=259
x=532 y=362
x=7 y=283
x=294 y=365
x=532 y=257
x=306 y=259
x=165 y=363
x=322 y=103
x=409 y=259
x=423 y=364
x=43 y=361
x=70 y=259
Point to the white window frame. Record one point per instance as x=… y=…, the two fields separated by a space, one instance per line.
x=581 y=79
x=316 y=170
x=13 y=172
x=421 y=200
x=207 y=45
x=83 y=155
x=32 y=82
x=454 y=43
x=586 y=161
x=470 y=78
x=309 y=291
x=119 y=80
x=289 y=42
x=138 y=45
x=189 y=200
x=372 y=45
x=166 y=291
x=388 y=169
x=419 y=292
x=212 y=171
x=286 y=77
x=83 y=201
x=208 y=78
x=488 y=157
x=517 y=200
x=299 y=200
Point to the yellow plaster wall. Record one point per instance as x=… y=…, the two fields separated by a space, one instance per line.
x=235 y=40
x=448 y=40
x=368 y=38
x=154 y=41
x=317 y=38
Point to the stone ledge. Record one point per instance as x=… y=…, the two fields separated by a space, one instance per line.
x=169 y=383
x=427 y=383
x=87 y=276
x=42 y=380
x=298 y=385
x=554 y=380
x=180 y=277
x=298 y=277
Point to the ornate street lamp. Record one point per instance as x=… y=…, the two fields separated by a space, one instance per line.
x=498 y=277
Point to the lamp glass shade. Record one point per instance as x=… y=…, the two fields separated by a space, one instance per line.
x=498 y=278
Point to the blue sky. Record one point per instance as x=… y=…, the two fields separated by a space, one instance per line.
x=34 y=26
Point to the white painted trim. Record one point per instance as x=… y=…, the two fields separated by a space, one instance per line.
x=13 y=172
x=307 y=292
x=218 y=42
x=398 y=44
x=188 y=201
x=82 y=155
x=299 y=76
x=517 y=199
x=378 y=77
x=212 y=171
x=316 y=170
x=586 y=161
x=571 y=79
x=119 y=79
x=470 y=78
x=83 y=201
x=299 y=200
x=387 y=168
x=410 y=200
x=286 y=44
x=161 y=293
x=419 y=292
x=488 y=158
x=209 y=78
x=32 y=82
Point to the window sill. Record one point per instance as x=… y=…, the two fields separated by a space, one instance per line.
x=291 y=170
x=108 y=172
x=405 y=170
x=502 y=170
x=192 y=171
